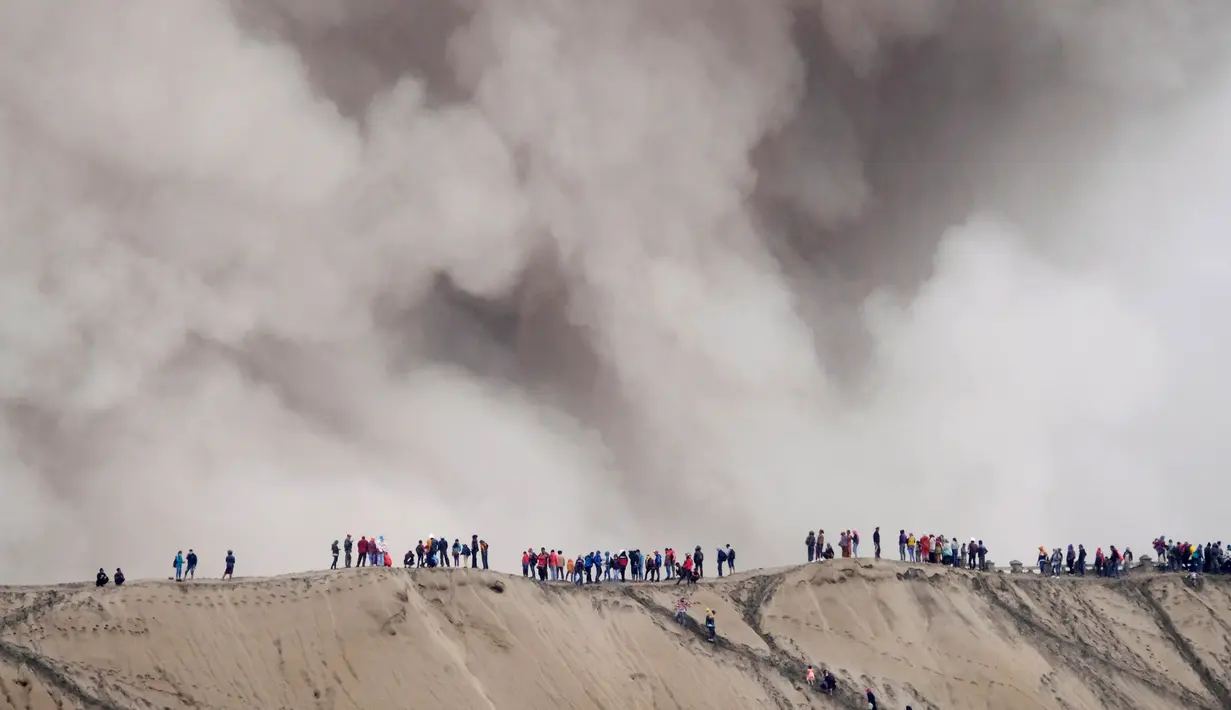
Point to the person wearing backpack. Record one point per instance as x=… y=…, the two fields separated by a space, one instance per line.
x=722 y=560
x=178 y=564
x=457 y=553
x=483 y=551
x=698 y=559
x=334 y=550
x=730 y=560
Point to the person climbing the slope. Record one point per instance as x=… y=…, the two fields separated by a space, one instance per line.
x=711 y=625
x=100 y=579
x=681 y=610
x=363 y=551
x=119 y=577
x=178 y=564
x=229 y=572
x=810 y=677
x=872 y=700
x=334 y=550
x=347 y=546
x=828 y=682
x=730 y=560
x=191 y=572
x=722 y=560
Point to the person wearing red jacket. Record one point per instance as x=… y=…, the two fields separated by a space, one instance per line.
x=542 y=563
x=363 y=551
x=525 y=563
x=554 y=563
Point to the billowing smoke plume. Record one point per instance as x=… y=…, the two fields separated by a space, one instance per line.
x=607 y=274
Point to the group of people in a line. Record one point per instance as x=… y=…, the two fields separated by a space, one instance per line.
x=1113 y=563
x=848 y=545
x=1210 y=558
x=435 y=552
x=596 y=567
x=186 y=567
x=929 y=549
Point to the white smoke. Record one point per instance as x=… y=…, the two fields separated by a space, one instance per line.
x=584 y=274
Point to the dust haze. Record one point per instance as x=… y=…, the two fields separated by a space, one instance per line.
x=601 y=275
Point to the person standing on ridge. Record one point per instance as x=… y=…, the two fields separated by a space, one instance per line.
x=876 y=542
x=457 y=552
x=229 y=573
x=483 y=551
x=178 y=564
x=722 y=560
x=542 y=562
x=347 y=546
x=902 y=545
x=553 y=561
x=730 y=559
x=810 y=542
x=474 y=552
x=855 y=543
x=363 y=551
x=698 y=558
x=334 y=550
x=192 y=565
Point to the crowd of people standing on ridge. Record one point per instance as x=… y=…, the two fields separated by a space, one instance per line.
x=435 y=552
x=1210 y=558
x=598 y=566
x=928 y=549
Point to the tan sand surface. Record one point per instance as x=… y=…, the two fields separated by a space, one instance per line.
x=454 y=639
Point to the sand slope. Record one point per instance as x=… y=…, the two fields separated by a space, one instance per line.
x=385 y=639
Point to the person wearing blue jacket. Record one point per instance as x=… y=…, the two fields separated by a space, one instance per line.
x=192 y=565
x=179 y=566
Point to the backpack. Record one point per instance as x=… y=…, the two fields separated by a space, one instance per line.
x=722 y=555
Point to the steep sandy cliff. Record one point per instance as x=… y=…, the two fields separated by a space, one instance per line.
x=387 y=639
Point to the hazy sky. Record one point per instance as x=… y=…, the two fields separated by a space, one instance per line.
x=593 y=274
